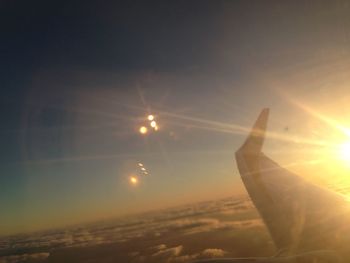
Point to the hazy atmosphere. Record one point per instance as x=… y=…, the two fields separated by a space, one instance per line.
x=112 y=109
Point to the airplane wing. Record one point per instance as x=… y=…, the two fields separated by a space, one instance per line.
x=299 y=215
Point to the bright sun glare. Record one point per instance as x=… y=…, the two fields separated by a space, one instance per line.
x=344 y=151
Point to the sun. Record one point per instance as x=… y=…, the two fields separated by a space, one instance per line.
x=344 y=151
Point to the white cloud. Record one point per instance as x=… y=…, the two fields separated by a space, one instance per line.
x=205 y=254
x=168 y=252
x=213 y=253
x=159 y=247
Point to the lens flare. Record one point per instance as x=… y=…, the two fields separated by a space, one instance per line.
x=153 y=124
x=150 y=117
x=143 y=130
x=134 y=180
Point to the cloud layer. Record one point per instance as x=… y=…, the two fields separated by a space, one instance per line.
x=230 y=214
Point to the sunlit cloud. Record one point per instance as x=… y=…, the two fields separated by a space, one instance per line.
x=168 y=252
x=213 y=252
x=186 y=220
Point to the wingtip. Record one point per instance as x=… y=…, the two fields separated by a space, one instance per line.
x=261 y=122
x=256 y=137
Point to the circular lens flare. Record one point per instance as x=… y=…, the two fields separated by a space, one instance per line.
x=143 y=130
x=150 y=117
x=153 y=124
x=134 y=180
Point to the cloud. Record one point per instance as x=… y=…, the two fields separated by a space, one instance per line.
x=213 y=253
x=168 y=252
x=134 y=254
x=205 y=254
x=159 y=247
x=224 y=214
x=183 y=259
x=24 y=257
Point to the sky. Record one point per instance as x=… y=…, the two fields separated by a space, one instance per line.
x=79 y=78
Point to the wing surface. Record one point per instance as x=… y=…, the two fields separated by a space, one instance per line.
x=298 y=214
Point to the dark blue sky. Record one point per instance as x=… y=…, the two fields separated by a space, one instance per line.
x=79 y=77
x=219 y=37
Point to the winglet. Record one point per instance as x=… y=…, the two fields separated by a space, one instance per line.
x=299 y=215
x=255 y=140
